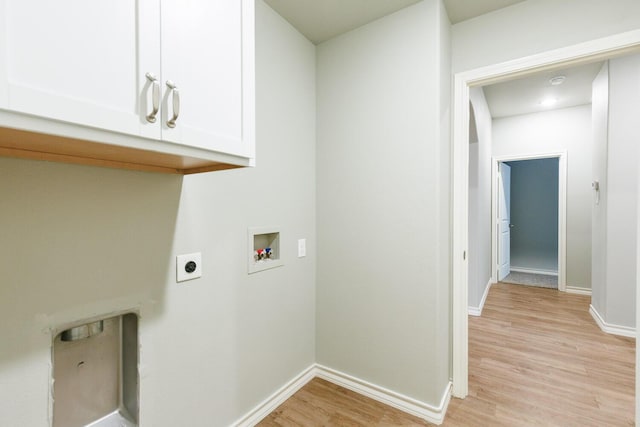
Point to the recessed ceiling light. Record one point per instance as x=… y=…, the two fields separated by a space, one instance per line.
x=548 y=102
x=557 y=80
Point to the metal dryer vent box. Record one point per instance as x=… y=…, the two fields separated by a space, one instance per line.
x=95 y=373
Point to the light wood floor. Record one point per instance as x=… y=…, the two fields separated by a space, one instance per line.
x=536 y=357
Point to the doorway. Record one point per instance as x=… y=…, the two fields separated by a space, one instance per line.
x=590 y=51
x=529 y=231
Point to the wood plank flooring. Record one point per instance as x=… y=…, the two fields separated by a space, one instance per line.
x=536 y=358
x=321 y=403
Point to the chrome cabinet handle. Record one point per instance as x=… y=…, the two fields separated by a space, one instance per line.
x=155 y=95
x=176 y=104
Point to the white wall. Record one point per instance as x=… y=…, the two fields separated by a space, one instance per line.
x=444 y=369
x=600 y=126
x=564 y=129
x=537 y=26
x=480 y=200
x=383 y=203
x=622 y=168
x=616 y=100
x=638 y=299
x=83 y=241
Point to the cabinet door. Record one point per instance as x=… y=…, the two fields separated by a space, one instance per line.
x=208 y=54
x=81 y=61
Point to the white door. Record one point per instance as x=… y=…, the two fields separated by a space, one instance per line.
x=504 y=220
x=202 y=56
x=79 y=61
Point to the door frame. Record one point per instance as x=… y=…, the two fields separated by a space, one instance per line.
x=598 y=49
x=562 y=210
x=495 y=202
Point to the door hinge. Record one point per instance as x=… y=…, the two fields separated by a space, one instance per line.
x=464 y=255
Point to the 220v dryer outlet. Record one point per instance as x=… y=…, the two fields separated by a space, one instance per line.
x=188 y=266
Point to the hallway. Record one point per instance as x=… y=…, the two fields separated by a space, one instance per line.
x=536 y=357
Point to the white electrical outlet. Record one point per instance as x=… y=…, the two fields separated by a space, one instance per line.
x=188 y=266
x=302 y=248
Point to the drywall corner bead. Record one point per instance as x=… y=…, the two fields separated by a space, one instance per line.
x=50 y=403
x=44 y=323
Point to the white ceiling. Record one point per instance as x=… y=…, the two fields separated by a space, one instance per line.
x=321 y=20
x=461 y=10
x=524 y=95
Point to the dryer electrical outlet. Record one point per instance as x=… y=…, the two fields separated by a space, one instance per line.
x=188 y=266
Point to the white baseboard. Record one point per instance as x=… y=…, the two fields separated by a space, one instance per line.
x=578 y=290
x=624 y=331
x=477 y=311
x=534 y=271
x=276 y=399
x=404 y=403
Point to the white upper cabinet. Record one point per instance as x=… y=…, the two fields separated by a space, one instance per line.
x=76 y=61
x=202 y=46
x=173 y=76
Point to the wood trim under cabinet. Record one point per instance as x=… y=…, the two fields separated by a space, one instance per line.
x=37 y=146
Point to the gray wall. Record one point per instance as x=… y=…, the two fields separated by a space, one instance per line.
x=383 y=202
x=567 y=129
x=517 y=32
x=82 y=241
x=480 y=200
x=614 y=293
x=624 y=130
x=534 y=214
x=600 y=113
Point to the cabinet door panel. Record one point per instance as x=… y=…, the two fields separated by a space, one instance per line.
x=79 y=61
x=202 y=53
